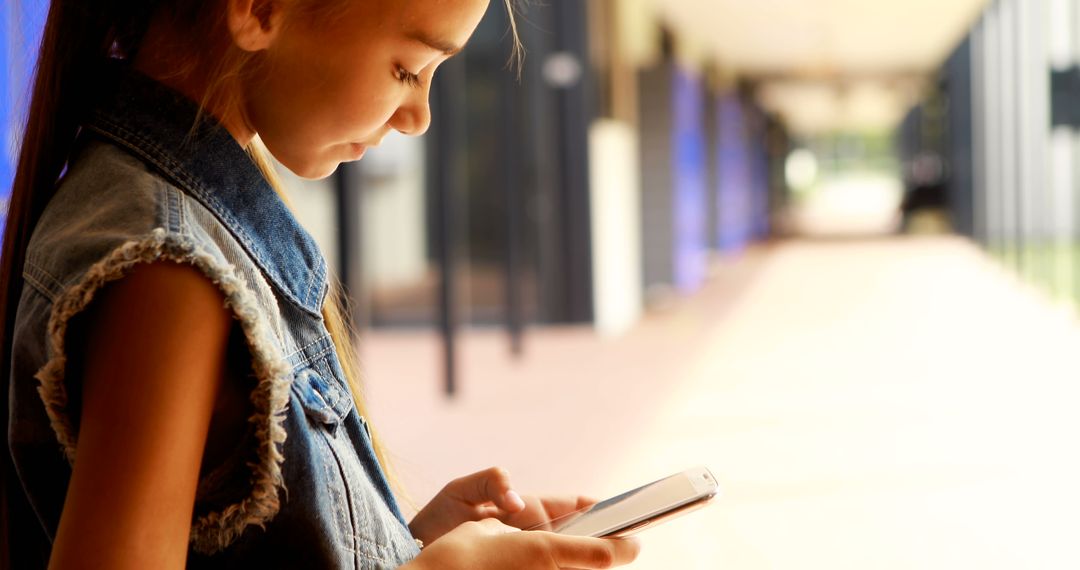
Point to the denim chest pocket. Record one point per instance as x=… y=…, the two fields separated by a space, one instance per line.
x=367 y=533
x=324 y=400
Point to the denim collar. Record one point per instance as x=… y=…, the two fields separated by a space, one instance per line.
x=158 y=125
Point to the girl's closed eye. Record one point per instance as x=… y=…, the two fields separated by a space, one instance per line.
x=408 y=78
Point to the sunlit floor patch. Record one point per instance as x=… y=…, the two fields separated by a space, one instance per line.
x=898 y=403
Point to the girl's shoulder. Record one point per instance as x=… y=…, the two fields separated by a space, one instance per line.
x=114 y=210
x=109 y=205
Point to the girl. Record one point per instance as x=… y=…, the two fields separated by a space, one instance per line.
x=181 y=384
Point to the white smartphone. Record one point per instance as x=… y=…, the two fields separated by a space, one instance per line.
x=648 y=505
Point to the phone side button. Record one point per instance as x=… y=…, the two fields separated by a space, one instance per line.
x=635 y=528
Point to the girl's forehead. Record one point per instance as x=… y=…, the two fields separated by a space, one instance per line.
x=449 y=20
x=443 y=25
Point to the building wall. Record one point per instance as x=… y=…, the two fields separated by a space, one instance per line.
x=1012 y=148
x=21 y=24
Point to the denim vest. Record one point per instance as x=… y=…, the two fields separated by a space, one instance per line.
x=151 y=181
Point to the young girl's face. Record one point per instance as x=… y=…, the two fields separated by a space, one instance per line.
x=333 y=84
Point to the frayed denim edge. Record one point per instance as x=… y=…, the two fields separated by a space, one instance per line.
x=215 y=531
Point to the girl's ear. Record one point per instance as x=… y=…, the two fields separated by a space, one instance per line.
x=254 y=24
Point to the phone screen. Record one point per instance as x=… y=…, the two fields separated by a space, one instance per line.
x=638 y=505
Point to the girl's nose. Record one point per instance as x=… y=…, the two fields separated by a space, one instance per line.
x=413 y=117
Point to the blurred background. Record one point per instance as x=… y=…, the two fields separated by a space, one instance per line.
x=827 y=248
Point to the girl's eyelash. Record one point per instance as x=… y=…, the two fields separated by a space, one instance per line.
x=410 y=79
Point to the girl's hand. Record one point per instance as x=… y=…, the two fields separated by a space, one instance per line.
x=484 y=495
x=491 y=545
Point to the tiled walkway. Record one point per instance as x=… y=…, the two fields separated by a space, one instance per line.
x=877 y=404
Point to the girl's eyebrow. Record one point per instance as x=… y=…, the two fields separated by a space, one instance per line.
x=446 y=47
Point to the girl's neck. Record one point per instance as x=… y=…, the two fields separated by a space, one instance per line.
x=161 y=58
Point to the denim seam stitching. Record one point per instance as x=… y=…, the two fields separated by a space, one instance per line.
x=175 y=197
x=370 y=556
x=164 y=193
x=307 y=346
x=185 y=225
x=348 y=498
x=43 y=274
x=38 y=286
x=307 y=292
x=317 y=356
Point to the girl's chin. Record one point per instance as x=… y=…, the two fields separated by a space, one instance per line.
x=327 y=163
x=318 y=170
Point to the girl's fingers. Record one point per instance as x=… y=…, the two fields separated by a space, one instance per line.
x=549 y=512
x=589 y=553
x=586 y=502
x=488 y=512
x=556 y=507
x=490 y=485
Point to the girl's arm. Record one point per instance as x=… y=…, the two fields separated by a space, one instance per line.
x=154 y=346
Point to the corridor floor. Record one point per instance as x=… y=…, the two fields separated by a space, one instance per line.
x=892 y=403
